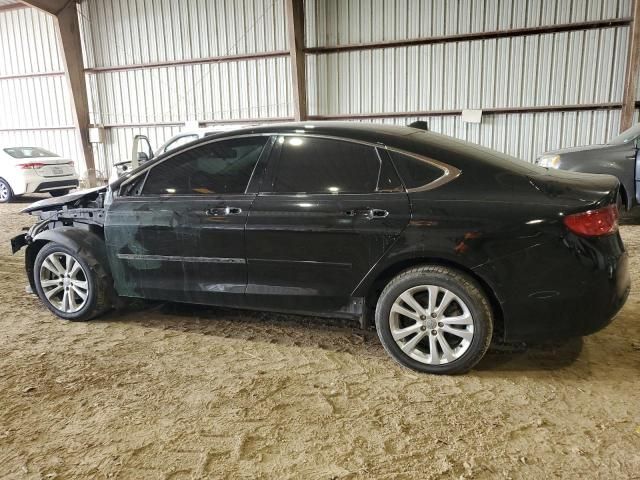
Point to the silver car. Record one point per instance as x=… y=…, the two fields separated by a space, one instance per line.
x=619 y=157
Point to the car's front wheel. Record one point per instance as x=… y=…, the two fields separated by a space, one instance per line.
x=72 y=285
x=6 y=194
x=59 y=193
x=434 y=319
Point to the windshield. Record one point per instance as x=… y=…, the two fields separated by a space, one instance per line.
x=627 y=136
x=29 y=152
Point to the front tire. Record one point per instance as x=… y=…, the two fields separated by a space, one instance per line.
x=434 y=319
x=73 y=285
x=6 y=193
x=59 y=193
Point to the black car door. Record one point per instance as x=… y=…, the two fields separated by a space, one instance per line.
x=328 y=210
x=179 y=235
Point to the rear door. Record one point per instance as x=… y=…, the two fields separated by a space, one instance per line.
x=327 y=211
x=179 y=235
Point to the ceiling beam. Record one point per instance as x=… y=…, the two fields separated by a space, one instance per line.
x=295 y=25
x=68 y=30
x=627 y=117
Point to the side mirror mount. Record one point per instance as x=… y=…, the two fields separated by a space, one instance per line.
x=138 y=153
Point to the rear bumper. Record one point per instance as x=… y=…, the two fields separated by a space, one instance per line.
x=582 y=285
x=56 y=185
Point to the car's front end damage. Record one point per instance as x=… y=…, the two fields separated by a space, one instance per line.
x=83 y=209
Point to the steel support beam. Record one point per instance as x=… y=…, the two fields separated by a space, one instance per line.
x=68 y=30
x=295 y=25
x=633 y=68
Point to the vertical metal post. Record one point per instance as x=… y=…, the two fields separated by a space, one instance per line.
x=295 y=25
x=631 y=75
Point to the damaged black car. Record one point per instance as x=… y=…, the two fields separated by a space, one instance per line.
x=442 y=244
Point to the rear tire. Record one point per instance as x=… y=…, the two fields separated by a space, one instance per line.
x=444 y=326
x=6 y=194
x=59 y=193
x=73 y=285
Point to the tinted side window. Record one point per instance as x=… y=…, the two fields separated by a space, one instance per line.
x=320 y=165
x=214 y=168
x=415 y=172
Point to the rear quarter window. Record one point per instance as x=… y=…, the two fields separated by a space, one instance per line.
x=415 y=172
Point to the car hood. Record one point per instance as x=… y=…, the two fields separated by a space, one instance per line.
x=70 y=199
x=581 y=148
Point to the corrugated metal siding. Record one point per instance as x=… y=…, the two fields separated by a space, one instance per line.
x=566 y=68
x=552 y=69
x=340 y=22
x=126 y=32
x=227 y=90
x=526 y=135
x=34 y=110
x=122 y=32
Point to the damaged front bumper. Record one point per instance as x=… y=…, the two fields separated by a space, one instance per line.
x=19 y=241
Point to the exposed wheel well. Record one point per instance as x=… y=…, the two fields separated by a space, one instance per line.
x=625 y=197
x=30 y=259
x=385 y=276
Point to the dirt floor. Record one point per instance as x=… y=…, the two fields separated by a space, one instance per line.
x=178 y=392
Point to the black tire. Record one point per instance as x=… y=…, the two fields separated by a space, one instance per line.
x=99 y=283
x=6 y=193
x=466 y=288
x=59 y=193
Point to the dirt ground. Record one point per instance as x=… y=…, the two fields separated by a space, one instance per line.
x=178 y=392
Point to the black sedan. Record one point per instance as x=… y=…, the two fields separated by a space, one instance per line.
x=446 y=244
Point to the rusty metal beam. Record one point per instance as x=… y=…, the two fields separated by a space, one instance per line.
x=633 y=68
x=66 y=15
x=466 y=37
x=195 y=61
x=485 y=111
x=295 y=25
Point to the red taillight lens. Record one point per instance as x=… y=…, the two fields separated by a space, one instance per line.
x=25 y=166
x=594 y=223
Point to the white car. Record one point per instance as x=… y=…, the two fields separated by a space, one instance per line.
x=34 y=170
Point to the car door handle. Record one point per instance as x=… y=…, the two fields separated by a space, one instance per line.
x=222 y=211
x=368 y=213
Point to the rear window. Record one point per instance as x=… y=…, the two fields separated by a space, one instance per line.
x=415 y=172
x=29 y=152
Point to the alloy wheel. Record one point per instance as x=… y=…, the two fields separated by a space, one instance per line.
x=4 y=192
x=431 y=324
x=64 y=282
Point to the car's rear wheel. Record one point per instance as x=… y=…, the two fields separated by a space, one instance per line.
x=434 y=319
x=72 y=285
x=59 y=193
x=6 y=194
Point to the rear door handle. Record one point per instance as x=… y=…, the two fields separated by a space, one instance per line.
x=368 y=213
x=223 y=211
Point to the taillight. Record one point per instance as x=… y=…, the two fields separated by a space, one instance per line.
x=594 y=223
x=25 y=166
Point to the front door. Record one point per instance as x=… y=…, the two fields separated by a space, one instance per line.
x=328 y=212
x=180 y=234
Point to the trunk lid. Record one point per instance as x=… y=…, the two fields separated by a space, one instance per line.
x=48 y=166
x=577 y=191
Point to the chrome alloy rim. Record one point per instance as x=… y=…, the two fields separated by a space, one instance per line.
x=64 y=282
x=431 y=324
x=4 y=191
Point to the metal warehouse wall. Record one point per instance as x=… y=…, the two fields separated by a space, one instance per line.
x=152 y=65
x=567 y=68
x=35 y=108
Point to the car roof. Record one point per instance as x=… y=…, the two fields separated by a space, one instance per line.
x=366 y=132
